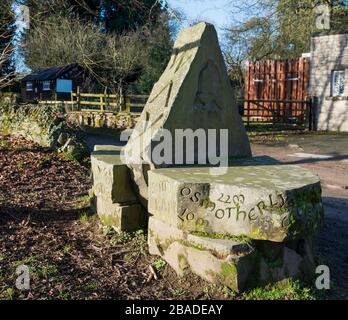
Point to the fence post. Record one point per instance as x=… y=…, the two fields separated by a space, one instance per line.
x=248 y=114
x=121 y=103
x=106 y=103
x=128 y=104
x=278 y=110
x=101 y=99
x=72 y=100
x=78 y=98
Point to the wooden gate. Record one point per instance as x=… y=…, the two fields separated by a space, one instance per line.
x=276 y=92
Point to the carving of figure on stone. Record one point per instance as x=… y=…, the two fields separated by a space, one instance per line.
x=209 y=89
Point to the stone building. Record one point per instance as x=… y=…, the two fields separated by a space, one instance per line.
x=329 y=79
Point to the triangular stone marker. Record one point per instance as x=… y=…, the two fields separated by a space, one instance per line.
x=194 y=92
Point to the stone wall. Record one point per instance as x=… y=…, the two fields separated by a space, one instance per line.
x=45 y=125
x=329 y=52
x=103 y=120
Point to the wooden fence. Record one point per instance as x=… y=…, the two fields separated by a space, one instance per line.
x=277 y=91
x=104 y=102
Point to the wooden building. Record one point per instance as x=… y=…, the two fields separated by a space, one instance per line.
x=55 y=83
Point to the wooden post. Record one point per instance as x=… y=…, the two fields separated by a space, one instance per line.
x=72 y=100
x=128 y=104
x=248 y=114
x=101 y=99
x=121 y=105
x=78 y=98
x=106 y=98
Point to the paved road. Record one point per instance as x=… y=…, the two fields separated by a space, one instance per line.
x=332 y=242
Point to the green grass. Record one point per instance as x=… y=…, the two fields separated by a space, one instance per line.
x=83 y=202
x=10 y=293
x=108 y=231
x=214 y=289
x=47 y=271
x=69 y=157
x=4 y=144
x=67 y=248
x=159 y=264
x=89 y=286
x=139 y=240
x=287 y=290
x=31 y=261
x=178 y=292
x=37 y=268
x=84 y=217
x=64 y=295
x=20 y=165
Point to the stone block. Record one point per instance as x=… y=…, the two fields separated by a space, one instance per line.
x=226 y=262
x=230 y=262
x=129 y=217
x=111 y=178
x=116 y=149
x=263 y=202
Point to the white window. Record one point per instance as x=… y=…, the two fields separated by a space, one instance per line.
x=337 y=88
x=29 y=86
x=46 y=86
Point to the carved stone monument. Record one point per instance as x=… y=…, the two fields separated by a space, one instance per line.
x=250 y=225
x=194 y=92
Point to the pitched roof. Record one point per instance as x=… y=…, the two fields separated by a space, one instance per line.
x=49 y=73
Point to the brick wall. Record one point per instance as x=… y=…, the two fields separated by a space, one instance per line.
x=329 y=52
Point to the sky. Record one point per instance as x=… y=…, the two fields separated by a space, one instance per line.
x=213 y=11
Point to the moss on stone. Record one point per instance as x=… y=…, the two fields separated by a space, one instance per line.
x=306 y=217
x=229 y=275
x=183 y=263
x=110 y=220
x=194 y=245
x=220 y=236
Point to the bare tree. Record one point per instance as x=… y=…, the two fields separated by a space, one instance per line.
x=7 y=74
x=113 y=60
x=5 y=56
